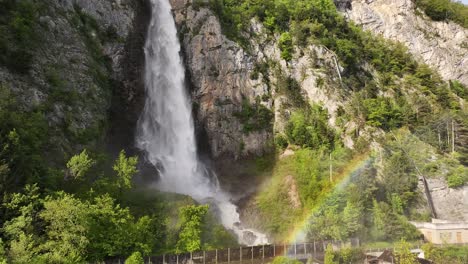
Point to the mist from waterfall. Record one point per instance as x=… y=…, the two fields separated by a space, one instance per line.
x=165 y=130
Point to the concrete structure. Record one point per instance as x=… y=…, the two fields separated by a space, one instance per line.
x=444 y=232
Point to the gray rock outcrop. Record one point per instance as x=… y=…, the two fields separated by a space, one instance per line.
x=450 y=204
x=442 y=45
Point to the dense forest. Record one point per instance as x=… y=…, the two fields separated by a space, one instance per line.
x=79 y=203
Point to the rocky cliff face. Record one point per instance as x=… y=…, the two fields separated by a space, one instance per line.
x=220 y=75
x=450 y=204
x=225 y=77
x=442 y=45
x=89 y=52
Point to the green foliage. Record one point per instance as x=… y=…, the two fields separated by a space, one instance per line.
x=66 y=229
x=458 y=177
x=310 y=128
x=388 y=225
x=445 y=9
x=403 y=253
x=281 y=141
x=380 y=112
x=23 y=137
x=126 y=169
x=446 y=254
x=459 y=89
x=330 y=255
x=2 y=253
x=286 y=46
x=351 y=255
x=80 y=164
x=285 y=260
x=254 y=117
x=191 y=218
x=215 y=236
x=135 y=258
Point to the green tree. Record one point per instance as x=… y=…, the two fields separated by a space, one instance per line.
x=351 y=218
x=126 y=169
x=378 y=221
x=135 y=258
x=383 y=113
x=110 y=229
x=146 y=233
x=403 y=253
x=191 y=218
x=23 y=249
x=80 y=164
x=330 y=255
x=66 y=229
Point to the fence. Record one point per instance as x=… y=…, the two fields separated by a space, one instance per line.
x=246 y=255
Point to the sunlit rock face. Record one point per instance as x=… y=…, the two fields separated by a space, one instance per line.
x=442 y=45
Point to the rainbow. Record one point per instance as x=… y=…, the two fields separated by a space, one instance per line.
x=341 y=180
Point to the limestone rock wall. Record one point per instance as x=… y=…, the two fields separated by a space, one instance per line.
x=442 y=45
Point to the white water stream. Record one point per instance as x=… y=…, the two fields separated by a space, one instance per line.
x=165 y=130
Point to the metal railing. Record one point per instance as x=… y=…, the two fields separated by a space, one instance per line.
x=246 y=255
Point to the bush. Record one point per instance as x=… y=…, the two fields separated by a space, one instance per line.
x=281 y=141
x=445 y=9
x=458 y=177
x=286 y=46
x=330 y=255
x=135 y=258
x=285 y=260
x=310 y=128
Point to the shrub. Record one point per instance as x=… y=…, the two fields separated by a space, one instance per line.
x=286 y=46
x=445 y=9
x=458 y=177
x=310 y=128
x=285 y=260
x=135 y=258
x=382 y=113
x=281 y=141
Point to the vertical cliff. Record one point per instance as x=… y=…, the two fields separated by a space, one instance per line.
x=81 y=58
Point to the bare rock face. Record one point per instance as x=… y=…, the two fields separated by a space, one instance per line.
x=442 y=45
x=450 y=204
x=220 y=75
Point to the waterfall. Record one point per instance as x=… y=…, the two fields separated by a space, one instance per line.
x=165 y=130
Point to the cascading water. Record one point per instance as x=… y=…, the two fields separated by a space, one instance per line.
x=165 y=129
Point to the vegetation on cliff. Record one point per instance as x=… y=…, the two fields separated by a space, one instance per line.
x=442 y=10
x=394 y=103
